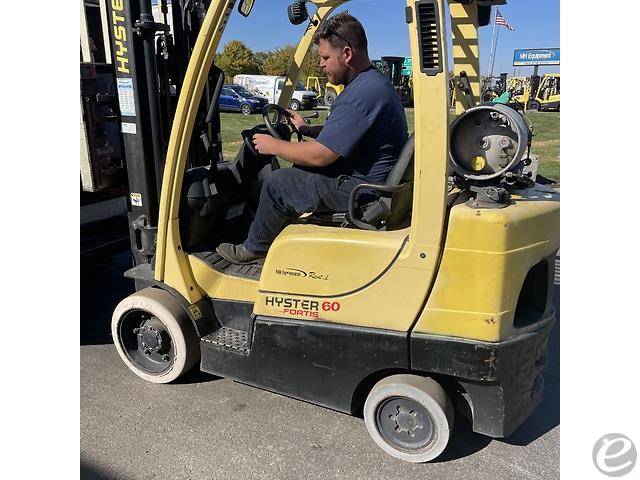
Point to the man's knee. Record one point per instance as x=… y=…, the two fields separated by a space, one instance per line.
x=293 y=181
x=279 y=178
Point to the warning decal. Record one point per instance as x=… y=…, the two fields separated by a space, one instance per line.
x=126 y=97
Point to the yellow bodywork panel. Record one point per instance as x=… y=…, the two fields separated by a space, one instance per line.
x=361 y=278
x=218 y=285
x=487 y=255
x=328 y=261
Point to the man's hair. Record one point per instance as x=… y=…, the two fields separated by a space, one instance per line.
x=342 y=30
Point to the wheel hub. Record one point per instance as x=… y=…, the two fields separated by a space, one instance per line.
x=147 y=342
x=151 y=340
x=404 y=423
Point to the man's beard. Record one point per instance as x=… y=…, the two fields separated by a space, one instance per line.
x=336 y=78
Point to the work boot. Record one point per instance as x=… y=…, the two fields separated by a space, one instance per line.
x=238 y=254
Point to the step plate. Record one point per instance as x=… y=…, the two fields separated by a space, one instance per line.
x=252 y=271
x=229 y=338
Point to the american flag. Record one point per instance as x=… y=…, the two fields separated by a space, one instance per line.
x=501 y=21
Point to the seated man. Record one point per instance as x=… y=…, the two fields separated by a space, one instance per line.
x=360 y=142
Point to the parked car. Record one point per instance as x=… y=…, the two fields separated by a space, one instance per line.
x=235 y=98
x=271 y=86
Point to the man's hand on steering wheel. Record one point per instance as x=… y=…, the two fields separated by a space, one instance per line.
x=296 y=119
x=277 y=126
x=265 y=144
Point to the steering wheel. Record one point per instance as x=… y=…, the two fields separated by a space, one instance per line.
x=278 y=122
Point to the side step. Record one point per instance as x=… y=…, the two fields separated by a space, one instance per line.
x=228 y=339
x=251 y=272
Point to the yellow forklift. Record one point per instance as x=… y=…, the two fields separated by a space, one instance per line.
x=431 y=300
x=327 y=91
x=547 y=96
x=520 y=89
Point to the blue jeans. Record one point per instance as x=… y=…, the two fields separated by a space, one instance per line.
x=288 y=192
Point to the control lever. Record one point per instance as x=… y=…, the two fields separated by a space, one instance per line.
x=310 y=116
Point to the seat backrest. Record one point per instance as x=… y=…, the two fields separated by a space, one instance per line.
x=402 y=171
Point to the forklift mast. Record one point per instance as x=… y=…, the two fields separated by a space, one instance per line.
x=150 y=59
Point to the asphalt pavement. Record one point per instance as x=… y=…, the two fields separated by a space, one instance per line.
x=205 y=427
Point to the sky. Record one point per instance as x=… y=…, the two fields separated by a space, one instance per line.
x=537 y=25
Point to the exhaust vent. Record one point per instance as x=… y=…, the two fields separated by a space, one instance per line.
x=429 y=36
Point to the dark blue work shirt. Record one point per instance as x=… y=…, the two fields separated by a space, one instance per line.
x=367 y=127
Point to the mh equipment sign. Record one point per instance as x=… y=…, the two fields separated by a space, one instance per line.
x=537 y=56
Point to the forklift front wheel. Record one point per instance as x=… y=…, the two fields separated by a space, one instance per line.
x=409 y=417
x=154 y=336
x=535 y=105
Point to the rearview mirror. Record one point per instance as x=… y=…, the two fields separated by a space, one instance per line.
x=245 y=6
x=484 y=15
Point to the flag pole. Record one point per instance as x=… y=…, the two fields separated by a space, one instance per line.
x=495 y=47
x=493 y=34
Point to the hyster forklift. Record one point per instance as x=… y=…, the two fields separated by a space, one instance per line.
x=547 y=94
x=432 y=298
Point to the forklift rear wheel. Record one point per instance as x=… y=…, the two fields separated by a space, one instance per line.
x=245 y=109
x=535 y=105
x=295 y=105
x=409 y=417
x=154 y=336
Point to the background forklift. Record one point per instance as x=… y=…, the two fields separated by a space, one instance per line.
x=493 y=87
x=516 y=92
x=547 y=92
x=394 y=69
x=327 y=91
x=433 y=299
x=520 y=90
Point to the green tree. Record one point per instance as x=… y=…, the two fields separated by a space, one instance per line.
x=312 y=67
x=236 y=58
x=277 y=61
x=258 y=59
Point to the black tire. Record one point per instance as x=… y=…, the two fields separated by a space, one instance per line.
x=535 y=105
x=294 y=105
x=156 y=317
x=409 y=417
x=330 y=96
x=246 y=109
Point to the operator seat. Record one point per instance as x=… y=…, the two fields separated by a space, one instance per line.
x=391 y=209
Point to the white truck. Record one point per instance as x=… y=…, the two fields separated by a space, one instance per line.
x=270 y=87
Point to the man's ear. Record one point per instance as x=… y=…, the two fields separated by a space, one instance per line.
x=347 y=53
